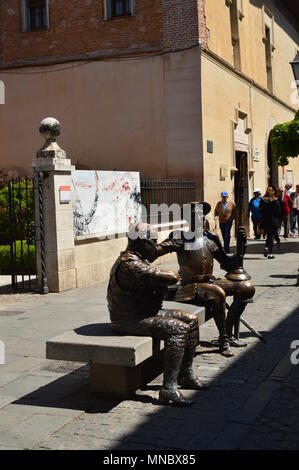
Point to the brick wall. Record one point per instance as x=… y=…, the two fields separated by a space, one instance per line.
x=203 y=32
x=183 y=24
x=78 y=30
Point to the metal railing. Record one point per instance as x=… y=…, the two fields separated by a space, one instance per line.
x=17 y=232
x=166 y=192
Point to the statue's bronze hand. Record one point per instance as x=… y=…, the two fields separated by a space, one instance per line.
x=232 y=262
x=168 y=277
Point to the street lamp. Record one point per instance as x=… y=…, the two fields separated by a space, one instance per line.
x=295 y=67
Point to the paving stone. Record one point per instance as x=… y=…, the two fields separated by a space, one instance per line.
x=12 y=415
x=33 y=430
x=5 y=400
x=17 y=364
x=6 y=378
x=229 y=437
x=24 y=385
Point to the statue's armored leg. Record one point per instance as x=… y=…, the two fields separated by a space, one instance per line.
x=175 y=333
x=242 y=293
x=187 y=378
x=214 y=297
x=233 y=317
x=173 y=356
x=218 y=311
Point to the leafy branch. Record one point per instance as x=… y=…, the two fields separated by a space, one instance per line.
x=285 y=141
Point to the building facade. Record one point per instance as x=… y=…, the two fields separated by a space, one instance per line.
x=123 y=78
x=247 y=87
x=169 y=88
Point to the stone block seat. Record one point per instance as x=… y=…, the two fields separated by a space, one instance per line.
x=119 y=364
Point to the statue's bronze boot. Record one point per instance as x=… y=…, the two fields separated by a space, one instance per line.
x=226 y=352
x=237 y=343
x=187 y=378
x=219 y=318
x=224 y=347
x=189 y=381
x=173 y=355
x=173 y=397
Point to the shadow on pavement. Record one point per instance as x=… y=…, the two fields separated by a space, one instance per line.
x=291 y=246
x=68 y=392
x=284 y=276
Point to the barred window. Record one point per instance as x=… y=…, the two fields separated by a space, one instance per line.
x=119 y=8
x=36 y=15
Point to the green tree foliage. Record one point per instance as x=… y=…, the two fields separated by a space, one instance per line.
x=285 y=141
x=24 y=258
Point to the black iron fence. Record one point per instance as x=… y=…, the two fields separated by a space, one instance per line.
x=17 y=232
x=165 y=193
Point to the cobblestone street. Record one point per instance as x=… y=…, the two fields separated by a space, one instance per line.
x=252 y=402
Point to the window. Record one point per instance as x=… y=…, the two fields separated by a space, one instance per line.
x=234 y=25
x=268 y=58
x=119 y=8
x=36 y=15
x=268 y=40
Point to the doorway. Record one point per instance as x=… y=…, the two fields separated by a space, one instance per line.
x=242 y=190
x=273 y=179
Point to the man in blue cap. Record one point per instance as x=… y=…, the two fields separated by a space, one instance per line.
x=225 y=210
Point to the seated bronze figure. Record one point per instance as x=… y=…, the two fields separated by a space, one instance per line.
x=196 y=250
x=135 y=295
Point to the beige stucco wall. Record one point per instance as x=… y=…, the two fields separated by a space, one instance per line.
x=140 y=114
x=223 y=92
x=252 y=48
x=218 y=24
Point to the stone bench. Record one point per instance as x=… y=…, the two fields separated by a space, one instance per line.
x=119 y=364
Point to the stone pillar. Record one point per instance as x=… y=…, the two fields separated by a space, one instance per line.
x=53 y=170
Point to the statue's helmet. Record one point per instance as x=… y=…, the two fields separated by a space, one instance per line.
x=142 y=239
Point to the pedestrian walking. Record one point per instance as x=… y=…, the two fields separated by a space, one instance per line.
x=279 y=195
x=271 y=215
x=287 y=205
x=291 y=193
x=254 y=208
x=295 y=218
x=225 y=210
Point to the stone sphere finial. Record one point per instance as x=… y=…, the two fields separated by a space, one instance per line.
x=50 y=128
